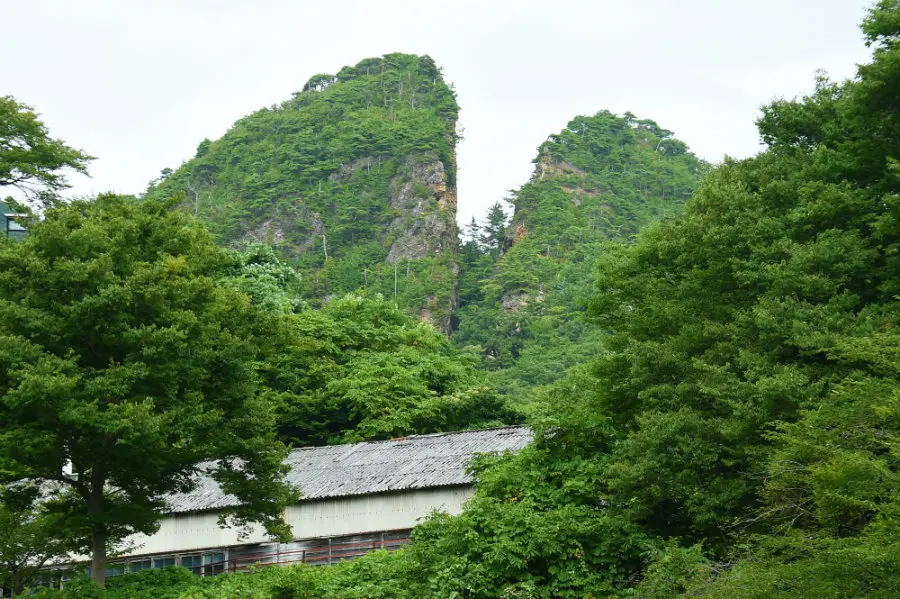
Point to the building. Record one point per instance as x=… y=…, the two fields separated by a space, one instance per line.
x=9 y=227
x=356 y=498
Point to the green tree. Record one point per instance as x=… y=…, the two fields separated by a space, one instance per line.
x=775 y=289
x=30 y=536
x=272 y=284
x=493 y=230
x=30 y=160
x=124 y=359
x=471 y=231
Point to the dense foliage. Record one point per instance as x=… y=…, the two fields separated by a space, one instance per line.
x=737 y=436
x=30 y=536
x=134 y=348
x=353 y=178
x=361 y=369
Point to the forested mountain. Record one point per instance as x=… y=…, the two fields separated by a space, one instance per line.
x=354 y=178
x=524 y=284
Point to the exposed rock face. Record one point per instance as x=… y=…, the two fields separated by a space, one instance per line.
x=513 y=301
x=269 y=231
x=425 y=226
x=548 y=166
x=426 y=223
x=298 y=231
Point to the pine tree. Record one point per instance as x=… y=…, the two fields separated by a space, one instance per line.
x=493 y=231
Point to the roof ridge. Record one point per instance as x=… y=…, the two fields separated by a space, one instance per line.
x=358 y=444
x=471 y=430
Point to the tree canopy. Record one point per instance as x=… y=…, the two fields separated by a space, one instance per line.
x=737 y=434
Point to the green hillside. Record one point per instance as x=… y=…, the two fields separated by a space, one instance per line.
x=525 y=284
x=353 y=178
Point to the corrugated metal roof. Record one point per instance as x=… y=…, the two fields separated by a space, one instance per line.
x=415 y=462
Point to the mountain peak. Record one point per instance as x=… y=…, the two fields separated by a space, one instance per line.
x=353 y=178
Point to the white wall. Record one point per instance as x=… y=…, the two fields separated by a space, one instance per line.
x=308 y=519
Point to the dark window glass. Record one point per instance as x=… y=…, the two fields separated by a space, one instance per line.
x=143 y=564
x=162 y=562
x=213 y=563
x=115 y=570
x=44 y=580
x=194 y=563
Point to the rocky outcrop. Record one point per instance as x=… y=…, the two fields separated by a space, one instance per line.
x=295 y=232
x=426 y=213
x=424 y=226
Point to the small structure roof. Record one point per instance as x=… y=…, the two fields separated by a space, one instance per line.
x=408 y=463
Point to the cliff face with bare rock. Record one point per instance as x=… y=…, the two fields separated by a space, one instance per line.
x=353 y=179
x=422 y=203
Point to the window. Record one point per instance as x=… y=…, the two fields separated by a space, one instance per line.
x=44 y=580
x=213 y=563
x=12 y=225
x=115 y=570
x=143 y=564
x=163 y=562
x=194 y=563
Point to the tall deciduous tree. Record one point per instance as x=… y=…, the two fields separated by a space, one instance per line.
x=127 y=362
x=30 y=160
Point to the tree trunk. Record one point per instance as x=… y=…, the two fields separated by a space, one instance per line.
x=98 y=554
x=98 y=527
x=18 y=583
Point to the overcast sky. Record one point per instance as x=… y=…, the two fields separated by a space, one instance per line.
x=140 y=83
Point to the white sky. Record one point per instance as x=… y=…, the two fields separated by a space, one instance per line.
x=140 y=83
